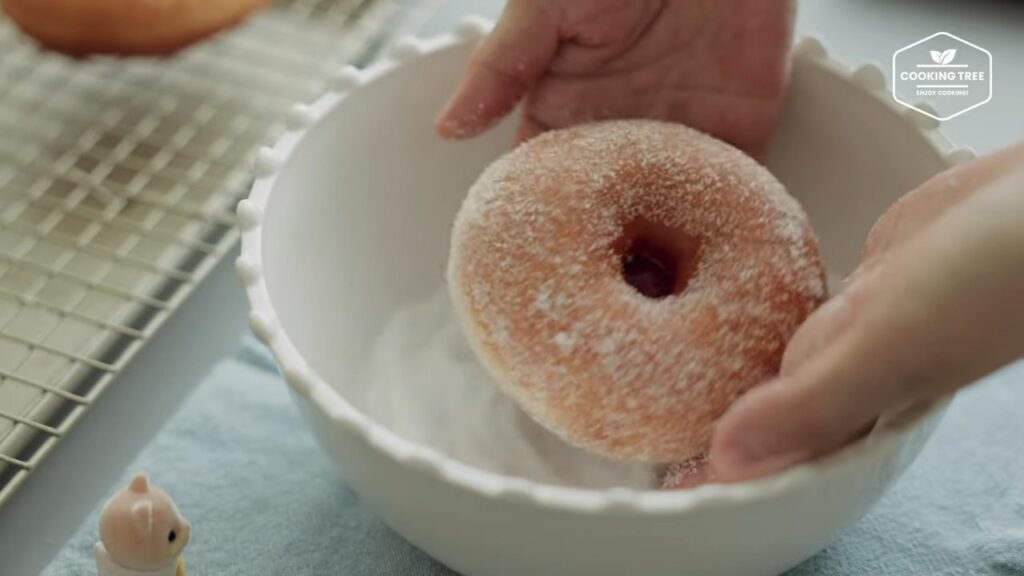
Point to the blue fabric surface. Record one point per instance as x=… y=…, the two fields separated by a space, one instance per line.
x=263 y=499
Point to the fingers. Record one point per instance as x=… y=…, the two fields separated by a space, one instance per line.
x=742 y=121
x=528 y=128
x=911 y=214
x=827 y=396
x=939 y=310
x=932 y=199
x=822 y=327
x=503 y=69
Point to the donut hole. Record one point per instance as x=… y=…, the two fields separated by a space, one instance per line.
x=650 y=269
x=657 y=261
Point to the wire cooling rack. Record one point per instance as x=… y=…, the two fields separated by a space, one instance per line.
x=118 y=180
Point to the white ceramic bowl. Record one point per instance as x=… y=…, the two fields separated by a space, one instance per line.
x=349 y=220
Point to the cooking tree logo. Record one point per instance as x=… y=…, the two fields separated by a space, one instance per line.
x=942 y=76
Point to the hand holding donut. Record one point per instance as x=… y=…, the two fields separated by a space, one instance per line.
x=937 y=303
x=716 y=65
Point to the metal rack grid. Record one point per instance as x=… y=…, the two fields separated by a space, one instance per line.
x=118 y=180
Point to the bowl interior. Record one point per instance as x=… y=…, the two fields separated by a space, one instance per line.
x=358 y=222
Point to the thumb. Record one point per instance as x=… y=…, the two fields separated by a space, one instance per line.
x=503 y=68
x=915 y=211
x=823 y=398
x=935 y=313
x=910 y=215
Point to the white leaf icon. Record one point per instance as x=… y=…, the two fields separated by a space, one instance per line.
x=948 y=56
x=936 y=56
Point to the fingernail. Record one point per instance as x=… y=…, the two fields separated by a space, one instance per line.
x=445 y=124
x=742 y=456
x=447 y=108
x=832 y=317
x=869 y=267
x=460 y=126
x=446 y=121
x=820 y=331
x=755 y=457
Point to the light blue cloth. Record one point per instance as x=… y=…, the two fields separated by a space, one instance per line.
x=263 y=499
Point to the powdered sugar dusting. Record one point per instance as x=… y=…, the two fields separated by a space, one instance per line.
x=423 y=382
x=535 y=270
x=689 y=473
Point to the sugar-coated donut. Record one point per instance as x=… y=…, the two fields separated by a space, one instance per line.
x=625 y=281
x=125 y=27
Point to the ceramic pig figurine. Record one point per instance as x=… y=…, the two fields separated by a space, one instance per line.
x=141 y=533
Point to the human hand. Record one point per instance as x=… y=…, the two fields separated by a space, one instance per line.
x=716 y=65
x=937 y=303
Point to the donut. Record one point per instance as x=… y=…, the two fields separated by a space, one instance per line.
x=125 y=27
x=625 y=281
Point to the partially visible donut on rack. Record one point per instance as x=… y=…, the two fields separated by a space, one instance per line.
x=125 y=27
